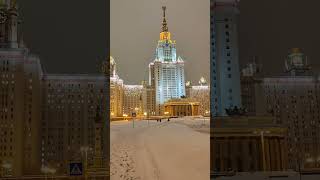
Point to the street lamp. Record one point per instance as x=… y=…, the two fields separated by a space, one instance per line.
x=46 y=170
x=145 y=115
x=299 y=159
x=124 y=116
x=7 y=166
x=52 y=171
x=262 y=146
x=85 y=149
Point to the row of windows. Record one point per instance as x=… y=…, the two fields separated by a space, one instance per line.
x=71 y=85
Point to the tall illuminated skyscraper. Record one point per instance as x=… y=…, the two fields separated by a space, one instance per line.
x=224 y=62
x=166 y=72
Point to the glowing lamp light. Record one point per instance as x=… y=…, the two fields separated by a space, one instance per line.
x=145 y=113
x=309 y=160
x=6 y=165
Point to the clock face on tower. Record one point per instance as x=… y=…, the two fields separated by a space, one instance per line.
x=3 y=17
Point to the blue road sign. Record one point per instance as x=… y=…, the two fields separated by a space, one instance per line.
x=75 y=169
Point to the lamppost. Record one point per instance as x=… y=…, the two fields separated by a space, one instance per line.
x=262 y=146
x=124 y=116
x=85 y=149
x=52 y=171
x=136 y=109
x=145 y=115
x=206 y=113
x=299 y=156
x=6 y=166
x=46 y=170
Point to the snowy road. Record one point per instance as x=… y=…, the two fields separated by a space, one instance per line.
x=175 y=150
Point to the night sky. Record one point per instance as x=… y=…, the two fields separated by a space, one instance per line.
x=268 y=29
x=70 y=36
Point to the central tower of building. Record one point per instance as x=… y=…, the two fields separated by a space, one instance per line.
x=224 y=61
x=166 y=72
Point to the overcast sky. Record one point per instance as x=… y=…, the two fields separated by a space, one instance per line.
x=135 y=28
x=71 y=36
x=270 y=28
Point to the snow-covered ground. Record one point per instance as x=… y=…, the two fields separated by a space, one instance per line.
x=175 y=150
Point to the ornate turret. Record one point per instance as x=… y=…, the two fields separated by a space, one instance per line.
x=202 y=81
x=113 y=67
x=296 y=62
x=3 y=20
x=8 y=24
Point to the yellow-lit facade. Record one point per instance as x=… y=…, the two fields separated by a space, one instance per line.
x=202 y=94
x=181 y=107
x=116 y=91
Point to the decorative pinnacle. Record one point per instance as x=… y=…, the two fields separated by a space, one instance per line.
x=164 y=22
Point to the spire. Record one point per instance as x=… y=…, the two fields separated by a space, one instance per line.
x=164 y=22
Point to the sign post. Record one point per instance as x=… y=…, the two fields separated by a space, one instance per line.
x=75 y=169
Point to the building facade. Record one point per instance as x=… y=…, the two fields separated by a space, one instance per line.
x=252 y=95
x=248 y=144
x=133 y=102
x=20 y=99
x=68 y=117
x=201 y=94
x=148 y=100
x=293 y=100
x=224 y=60
x=166 y=72
x=181 y=107
x=116 y=91
x=45 y=119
